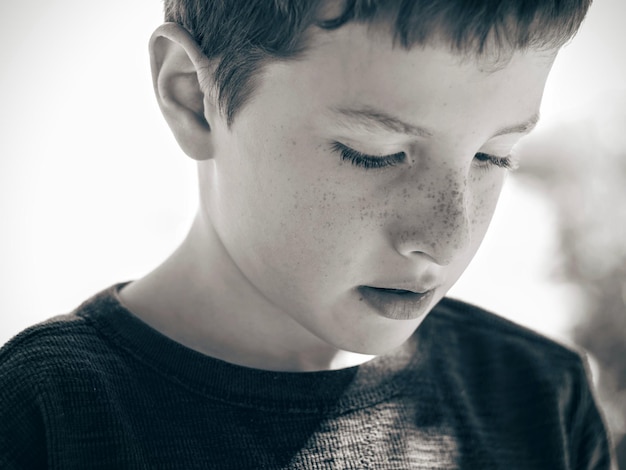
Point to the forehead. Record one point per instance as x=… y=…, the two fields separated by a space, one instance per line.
x=358 y=67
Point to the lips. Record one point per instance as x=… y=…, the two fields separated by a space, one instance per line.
x=397 y=304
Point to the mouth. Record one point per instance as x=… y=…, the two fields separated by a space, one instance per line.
x=396 y=304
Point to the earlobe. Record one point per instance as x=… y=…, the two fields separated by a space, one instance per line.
x=178 y=69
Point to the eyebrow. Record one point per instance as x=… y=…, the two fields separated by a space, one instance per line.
x=372 y=119
x=523 y=128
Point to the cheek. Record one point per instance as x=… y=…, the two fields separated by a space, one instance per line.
x=283 y=211
x=484 y=202
x=321 y=226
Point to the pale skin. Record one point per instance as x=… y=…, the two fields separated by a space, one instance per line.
x=286 y=230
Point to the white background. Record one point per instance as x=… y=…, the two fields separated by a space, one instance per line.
x=94 y=190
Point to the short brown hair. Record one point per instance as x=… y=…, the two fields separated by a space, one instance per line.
x=245 y=34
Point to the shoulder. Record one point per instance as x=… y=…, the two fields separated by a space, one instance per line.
x=49 y=373
x=482 y=330
x=54 y=331
x=496 y=358
x=35 y=362
x=502 y=367
x=68 y=342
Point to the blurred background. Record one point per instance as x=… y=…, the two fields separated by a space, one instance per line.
x=94 y=190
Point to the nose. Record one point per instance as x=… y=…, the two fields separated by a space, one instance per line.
x=433 y=218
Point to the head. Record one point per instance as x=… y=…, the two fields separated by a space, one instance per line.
x=352 y=153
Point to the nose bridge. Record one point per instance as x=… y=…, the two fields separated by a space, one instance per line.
x=436 y=220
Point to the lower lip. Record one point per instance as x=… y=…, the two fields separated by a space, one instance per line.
x=397 y=305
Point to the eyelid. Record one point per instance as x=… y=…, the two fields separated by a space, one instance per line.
x=371 y=145
x=482 y=160
x=367 y=161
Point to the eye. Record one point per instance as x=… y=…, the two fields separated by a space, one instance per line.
x=367 y=161
x=486 y=161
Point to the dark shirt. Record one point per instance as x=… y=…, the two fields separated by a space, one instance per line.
x=99 y=389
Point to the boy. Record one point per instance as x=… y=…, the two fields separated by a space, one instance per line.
x=350 y=156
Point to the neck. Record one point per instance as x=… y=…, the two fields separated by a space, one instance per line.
x=199 y=298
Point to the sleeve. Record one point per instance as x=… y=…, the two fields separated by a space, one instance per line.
x=22 y=430
x=590 y=442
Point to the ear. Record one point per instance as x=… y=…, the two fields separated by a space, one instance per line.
x=178 y=69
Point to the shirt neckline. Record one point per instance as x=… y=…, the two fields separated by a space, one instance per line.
x=303 y=392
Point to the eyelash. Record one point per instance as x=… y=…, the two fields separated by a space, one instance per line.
x=485 y=161
x=367 y=161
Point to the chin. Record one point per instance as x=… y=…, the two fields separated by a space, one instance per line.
x=379 y=340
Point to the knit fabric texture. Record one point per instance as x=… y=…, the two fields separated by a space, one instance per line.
x=100 y=389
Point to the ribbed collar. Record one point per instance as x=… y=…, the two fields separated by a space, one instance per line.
x=300 y=392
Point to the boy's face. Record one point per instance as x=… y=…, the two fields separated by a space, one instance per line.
x=321 y=240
